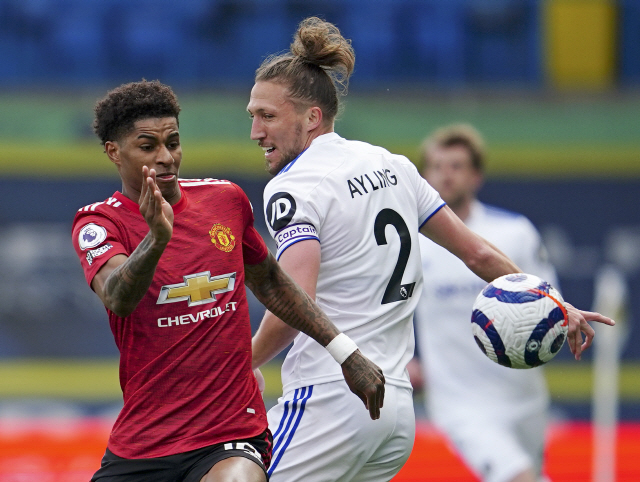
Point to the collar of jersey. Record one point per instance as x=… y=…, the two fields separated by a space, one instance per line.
x=134 y=207
x=329 y=136
x=290 y=165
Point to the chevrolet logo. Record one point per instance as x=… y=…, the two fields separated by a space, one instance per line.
x=197 y=289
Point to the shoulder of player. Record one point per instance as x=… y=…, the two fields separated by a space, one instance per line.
x=96 y=219
x=107 y=205
x=110 y=212
x=353 y=149
x=329 y=155
x=216 y=193
x=301 y=179
x=209 y=186
x=367 y=152
x=322 y=164
x=206 y=183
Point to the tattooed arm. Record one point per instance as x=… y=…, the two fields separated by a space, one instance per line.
x=302 y=262
x=292 y=309
x=123 y=280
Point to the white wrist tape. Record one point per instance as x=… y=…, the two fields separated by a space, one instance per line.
x=341 y=347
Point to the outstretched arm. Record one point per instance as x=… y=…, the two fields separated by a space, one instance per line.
x=123 y=280
x=285 y=299
x=489 y=263
x=480 y=256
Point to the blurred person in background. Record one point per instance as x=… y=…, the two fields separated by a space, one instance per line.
x=345 y=216
x=494 y=416
x=169 y=259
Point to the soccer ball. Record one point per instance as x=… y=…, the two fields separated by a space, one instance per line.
x=519 y=321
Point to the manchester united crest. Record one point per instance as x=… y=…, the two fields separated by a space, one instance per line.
x=222 y=238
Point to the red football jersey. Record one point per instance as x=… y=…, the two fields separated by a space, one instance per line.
x=185 y=352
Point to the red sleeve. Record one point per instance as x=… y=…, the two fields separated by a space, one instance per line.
x=254 y=250
x=96 y=238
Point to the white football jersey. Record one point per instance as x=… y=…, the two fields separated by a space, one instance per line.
x=460 y=378
x=365 y=207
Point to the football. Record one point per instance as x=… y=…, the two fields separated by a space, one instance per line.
x=519 y=321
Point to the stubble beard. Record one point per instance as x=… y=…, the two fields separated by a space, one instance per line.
x=287 y=156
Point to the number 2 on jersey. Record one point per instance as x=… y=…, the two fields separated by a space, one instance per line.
x=396 y=291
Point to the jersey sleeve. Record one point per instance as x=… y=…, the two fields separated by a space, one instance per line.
x=96 y=238
x=254 y=249
x=290 y=215
x=429 y=201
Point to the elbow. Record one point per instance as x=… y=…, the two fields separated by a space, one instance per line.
x=119 y=308
x=122 y=313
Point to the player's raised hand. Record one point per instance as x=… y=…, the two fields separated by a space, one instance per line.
x=157 y=212
x=578 y=324
x=366 y=380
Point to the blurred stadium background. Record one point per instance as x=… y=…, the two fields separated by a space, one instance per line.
x=554 y=85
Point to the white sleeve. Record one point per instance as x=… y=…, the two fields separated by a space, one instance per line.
x=429 y=201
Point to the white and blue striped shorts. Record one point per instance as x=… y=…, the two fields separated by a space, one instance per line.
x=323 y=433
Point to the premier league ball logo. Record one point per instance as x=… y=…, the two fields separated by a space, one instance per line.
x=89 y=236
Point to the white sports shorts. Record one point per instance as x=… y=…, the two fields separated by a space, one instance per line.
x=324 y=433
x=497 y=449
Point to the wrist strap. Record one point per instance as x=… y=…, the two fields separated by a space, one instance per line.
x=341 y=347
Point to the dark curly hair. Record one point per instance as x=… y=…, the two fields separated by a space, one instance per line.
x=118 y=111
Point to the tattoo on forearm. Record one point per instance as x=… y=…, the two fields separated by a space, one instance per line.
x=129 y=282
x=285 y=299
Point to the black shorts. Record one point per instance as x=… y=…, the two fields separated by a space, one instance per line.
x=184 y=467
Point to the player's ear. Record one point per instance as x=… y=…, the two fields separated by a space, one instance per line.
x=314 y=117
x=112 y=150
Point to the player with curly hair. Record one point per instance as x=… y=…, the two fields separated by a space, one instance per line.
x=169 y=259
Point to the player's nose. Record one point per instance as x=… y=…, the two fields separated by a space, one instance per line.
x=257 y=130
x=165 y=156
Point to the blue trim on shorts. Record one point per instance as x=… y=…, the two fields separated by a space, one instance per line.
x=300 y=395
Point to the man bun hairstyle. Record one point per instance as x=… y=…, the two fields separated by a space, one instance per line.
x=316 y=69
x=464 y=135
x=117 y=112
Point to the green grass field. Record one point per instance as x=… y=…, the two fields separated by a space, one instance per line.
x=46 y=135
x=97 y=380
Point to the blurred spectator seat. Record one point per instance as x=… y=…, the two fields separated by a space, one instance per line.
x=629 y=21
